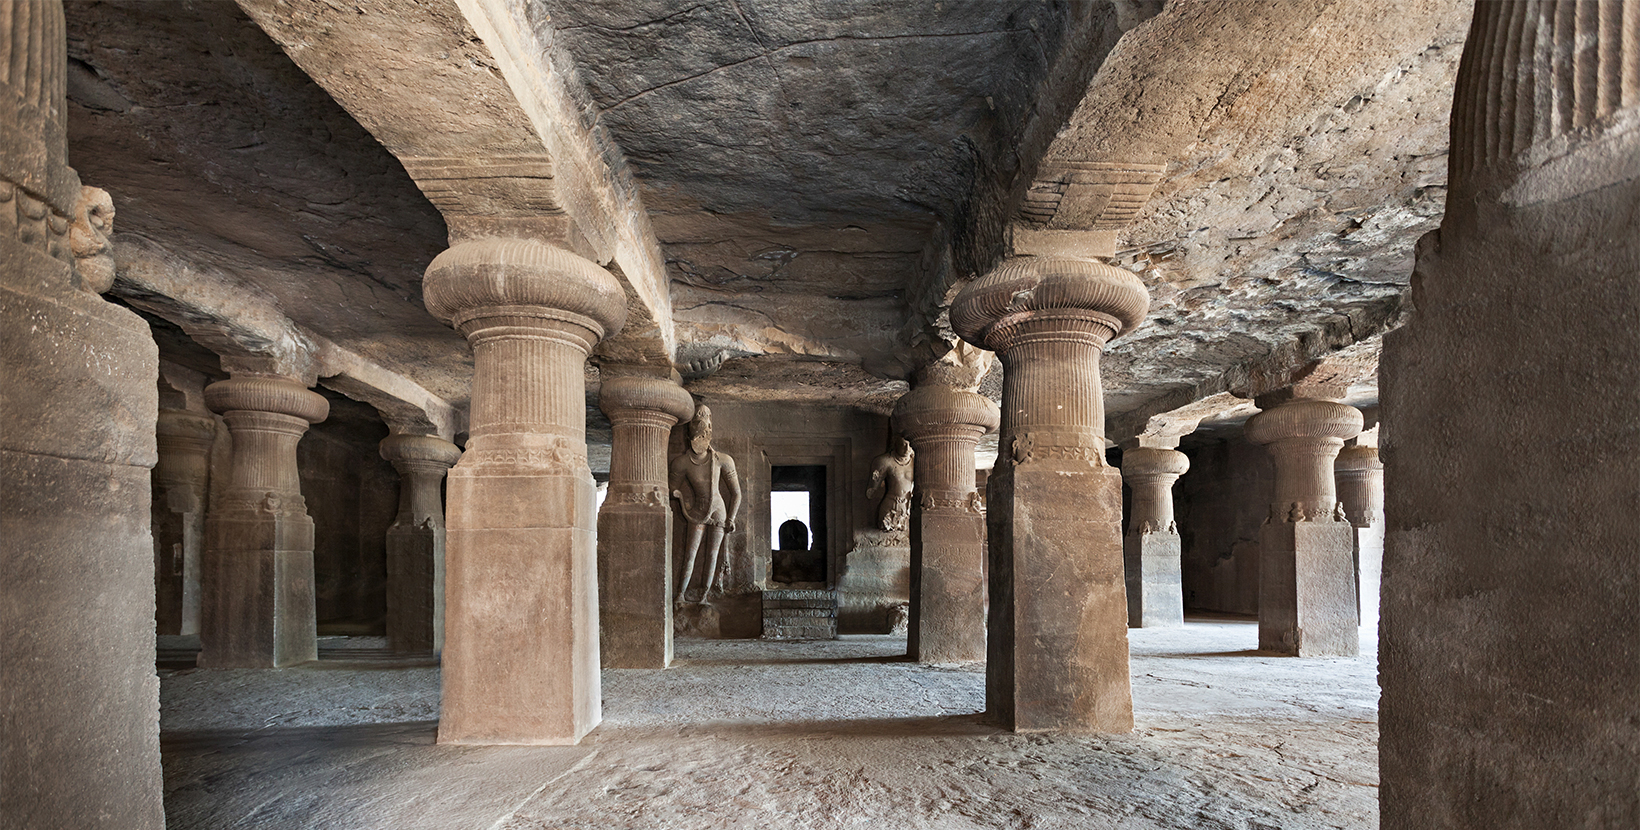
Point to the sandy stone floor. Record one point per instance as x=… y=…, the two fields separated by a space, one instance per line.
x=750 y=734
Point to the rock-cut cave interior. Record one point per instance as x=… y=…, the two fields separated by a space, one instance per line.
x=524 y=414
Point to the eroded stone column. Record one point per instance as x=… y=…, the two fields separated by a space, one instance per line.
x=257 y=609
x=521 y=591
x=79 y=724
x=635 y=522
x=1307 y=589
x=947 y=618
x=415 y=543
x=179 y=479
x=1151 y=547
x=1057 y=655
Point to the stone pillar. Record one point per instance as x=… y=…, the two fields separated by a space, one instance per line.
x=1307 y=599
x=415 y=543
x=257 y=583
x=79 y=725
x=1360 y=477
x=1057 y=654
x=1512 y=472
x=635 y=522
x=947 y=618
x=1151 y=549
x=521 y=590
x=184 y=443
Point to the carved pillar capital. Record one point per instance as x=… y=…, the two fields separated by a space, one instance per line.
x=1304 y=436
x=1360 y=476
x=1151 y=472
x=419 y=453
x=943 y=424
x=266 y=417
x=1048 y=318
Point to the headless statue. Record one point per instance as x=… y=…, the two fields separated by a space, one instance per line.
x=707 y=487
x=891 y=476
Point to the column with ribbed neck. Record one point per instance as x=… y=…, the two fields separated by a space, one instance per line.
x=415 y=543
x=943 y=424
x=1151 y=547
x=1307 y=589
x=183 y=440
x=635 y=522
x=257 y=583
x=1057 y=654
x=1360 y=480
x=521 y=592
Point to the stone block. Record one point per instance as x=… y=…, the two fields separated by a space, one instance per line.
x=947 y=622
x=1155 y=589
x=635 y=586
x=1307 y=602
x=258 y=608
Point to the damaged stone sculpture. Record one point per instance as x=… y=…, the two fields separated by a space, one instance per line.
x=891 y=479
x=707 y=487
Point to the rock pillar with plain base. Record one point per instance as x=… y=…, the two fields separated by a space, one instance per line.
x=521 y=591
x=1511 y=596
x=415 y=543
x=1151 y=548
x=184 y=443
x=257 y=582
x=1360 y=477
x=947 y=618
x=79 y=701
x=635 y=522
x=1307 y=587
x=1057 y=654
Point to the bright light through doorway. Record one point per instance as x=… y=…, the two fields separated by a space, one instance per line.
x=784 y=506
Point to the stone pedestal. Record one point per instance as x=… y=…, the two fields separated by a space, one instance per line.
x=947 y=614
x=1151 y=550
x=1307 y=589
x=1057 y=656
x=257 y=583
x=635 y=523
x=180 y=477
x=521 y=592
x=79 y=716
x=1360 y=477
x=415 y=543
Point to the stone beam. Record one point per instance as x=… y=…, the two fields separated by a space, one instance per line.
x=250 y=333
x=488 y=117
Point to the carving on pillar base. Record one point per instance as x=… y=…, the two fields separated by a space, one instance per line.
x=556 y=454
x=969 y=502
x=1297 y=512
x=1030 y=447
x=1148 y=527
x=652 y=496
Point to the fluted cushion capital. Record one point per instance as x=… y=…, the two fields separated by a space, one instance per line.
x=425 y=448
x=1141 y=461
x=930 y=408
x=1359 y=458
x=1304 y=419
x=628 y=392
x=502 y=273
x=276 y=395
x=1035 y=286
x=180 y=423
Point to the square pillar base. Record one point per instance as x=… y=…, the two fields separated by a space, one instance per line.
x=635 y=586
x=948 y=586
x=521 y=609
x=1058 y=649
x=1307 y=603
x=415 y=590
x=1155 y=587
x=258 y=606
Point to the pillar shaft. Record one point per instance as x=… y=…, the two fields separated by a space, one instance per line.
x=415 y=543
x=947 y=616
x=1360 y=477
x=180 y=477
x=521 y=637
x=635 y=523
x=1151 y=549
x=257 y=583
x=1057 y=656
x=1308 y=605
x=79 y=720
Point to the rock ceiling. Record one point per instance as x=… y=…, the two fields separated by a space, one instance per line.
x=821 y=176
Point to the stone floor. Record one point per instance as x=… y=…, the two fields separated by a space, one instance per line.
x=752 y=734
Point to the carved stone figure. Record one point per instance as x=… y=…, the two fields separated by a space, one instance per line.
x=707 y=487
x=88 y=239
x=891 y=478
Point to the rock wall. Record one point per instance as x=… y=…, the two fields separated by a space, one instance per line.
x=1221 y=504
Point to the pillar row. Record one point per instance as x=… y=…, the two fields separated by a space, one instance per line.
x=257 y=583
x=521 y=593
x=1151 y=548
x=944 y=424
x=415 y=543
x=1307 y=588
x=1057 y=654
x=635 y=522
x=181 y=474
